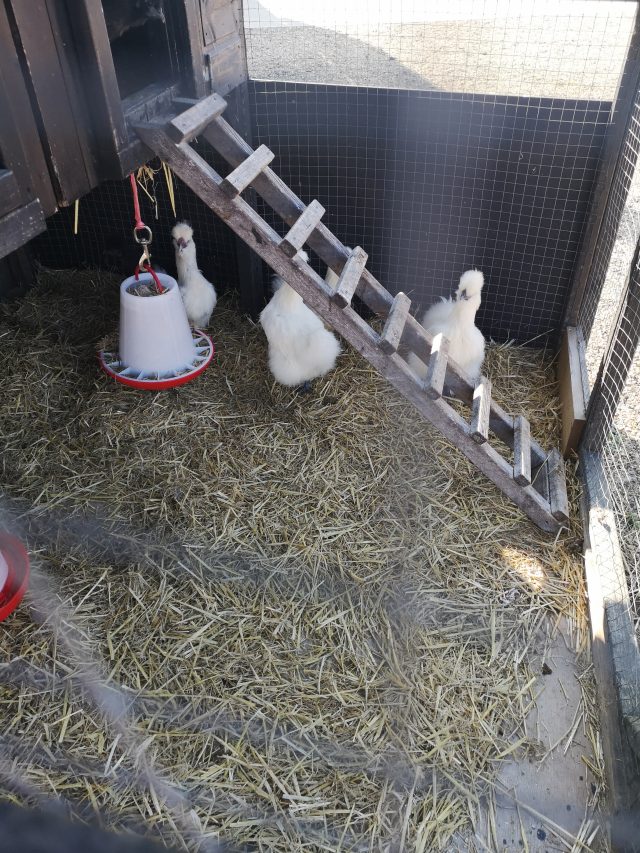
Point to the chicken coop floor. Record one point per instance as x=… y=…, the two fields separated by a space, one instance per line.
x=295 y=622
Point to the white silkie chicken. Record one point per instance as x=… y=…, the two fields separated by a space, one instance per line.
x=455 y=319
x=300 y=348
x=198 y=294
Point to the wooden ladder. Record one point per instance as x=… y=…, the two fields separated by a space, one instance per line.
x=535 y=480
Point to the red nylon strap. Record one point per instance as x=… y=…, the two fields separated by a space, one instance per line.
x=136 y=203
x=146 y=266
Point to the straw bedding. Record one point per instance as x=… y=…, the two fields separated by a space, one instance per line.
x=291 y=622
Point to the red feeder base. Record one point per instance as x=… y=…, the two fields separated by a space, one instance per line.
x=14 y=554
x=112 y=366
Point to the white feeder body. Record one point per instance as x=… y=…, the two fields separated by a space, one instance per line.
x=4 y=571
x=155 y=337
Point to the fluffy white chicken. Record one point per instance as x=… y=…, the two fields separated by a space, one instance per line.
x=300 y=348
x=455 y=319
x=198 y=294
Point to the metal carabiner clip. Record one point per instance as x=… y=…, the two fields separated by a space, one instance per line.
x=143 y=241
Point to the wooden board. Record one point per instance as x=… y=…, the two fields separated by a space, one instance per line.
x=56 y=80
x=571 y=371
x=20 y=226
x=481 y=410
x=10 y=194
x=20 y=145
x=522 y=451
x=299 y=232
x=394 y=325
x=192 y=121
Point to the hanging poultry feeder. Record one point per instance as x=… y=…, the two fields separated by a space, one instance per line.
x=157 y=348
x=14 y=573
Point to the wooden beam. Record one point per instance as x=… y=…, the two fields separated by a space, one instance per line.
x=20 y=226
x=557 y=487
x=10 y=195
x=299 y=232
x=193 y=121
x=247 y=171
x=350 y=277
x=481 y=410
x=571 y=389
x=522 y=451
x=437 y=368
x=394 y=325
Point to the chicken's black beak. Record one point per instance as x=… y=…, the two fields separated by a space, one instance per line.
x=463 y=295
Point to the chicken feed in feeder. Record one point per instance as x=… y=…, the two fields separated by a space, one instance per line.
x=157 y=349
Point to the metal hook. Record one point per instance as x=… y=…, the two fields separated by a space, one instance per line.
x=143 y=241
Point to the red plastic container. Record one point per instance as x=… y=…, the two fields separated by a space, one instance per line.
x=14 y=567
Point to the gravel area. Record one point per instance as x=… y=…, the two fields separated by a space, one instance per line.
x=527 y=54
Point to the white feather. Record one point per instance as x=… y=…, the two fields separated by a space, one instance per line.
x=455 y=319
x=198 y=295
x=300 y=348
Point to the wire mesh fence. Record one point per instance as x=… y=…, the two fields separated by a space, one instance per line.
x=444 y=136
x=358 y=668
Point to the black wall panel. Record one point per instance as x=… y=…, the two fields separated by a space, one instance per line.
x=433 y=183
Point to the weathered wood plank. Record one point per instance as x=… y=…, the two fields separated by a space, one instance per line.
x=20 y=226
x=571 y=389
x=350 y=277
x=247 y=171
x=10 y=194
x=557 y=487
x=41 y=26
x=299 y=232
x=437 y=368
x=394 y=325
x=192 y=122
x=481 y=411
x=206 y=183
x=522 y=451
x=22 y=151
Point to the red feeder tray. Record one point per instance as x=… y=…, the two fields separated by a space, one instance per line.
x=14 y=568
x=112 y=365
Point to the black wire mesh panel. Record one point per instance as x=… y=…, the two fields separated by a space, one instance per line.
x=615 y=234
x=483 y=155
x=431 y=184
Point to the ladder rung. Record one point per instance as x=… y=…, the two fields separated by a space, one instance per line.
x=557 y=486
x=393 y=328
x=247 y=171
x=481 y=411
x=193 y=121
x=297 y=235
x=521 y=451
x=437 y=369
x=348 y=281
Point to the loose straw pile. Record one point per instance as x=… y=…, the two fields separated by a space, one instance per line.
x=323 y=623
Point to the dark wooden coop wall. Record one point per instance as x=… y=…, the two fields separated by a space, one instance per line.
x=433 y=183
x=84 y=70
